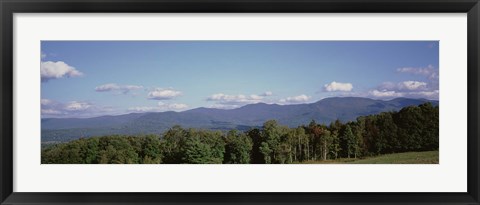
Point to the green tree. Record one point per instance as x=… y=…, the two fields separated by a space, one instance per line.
x=196 y=152
x=238 y=148
x=349 y=141
x=410 y=124
x=387 y=140
x=203 y=147
x=256 y=156
x=266 y=152
x=116 y=150
x=359 y=130
x=151 y=150
x=172 y=143
x=430 y=131
x=90 y=150
x=270 y=134
x=335 y=146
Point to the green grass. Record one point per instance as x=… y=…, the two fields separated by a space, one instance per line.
x=430 y=157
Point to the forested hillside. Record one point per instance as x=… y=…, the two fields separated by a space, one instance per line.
x=413 y=128
x=252 y=115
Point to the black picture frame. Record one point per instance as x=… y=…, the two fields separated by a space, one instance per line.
x=10 y=7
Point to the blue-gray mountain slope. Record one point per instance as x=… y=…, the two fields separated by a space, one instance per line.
x=253 y=115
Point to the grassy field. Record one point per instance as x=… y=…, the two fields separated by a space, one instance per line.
x=430 y=157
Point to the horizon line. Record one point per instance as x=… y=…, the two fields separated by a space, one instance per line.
x=129 y=113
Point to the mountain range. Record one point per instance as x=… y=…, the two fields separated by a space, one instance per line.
x=243 y=118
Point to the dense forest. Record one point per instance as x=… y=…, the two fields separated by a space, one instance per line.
x=413 y=128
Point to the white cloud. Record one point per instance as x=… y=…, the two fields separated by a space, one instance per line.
x=428 y=71
x=54 y=70
x=163 y=94
x=337 y=86
x=412 y=85
x=160 y=108
x=143 y=109
x=404 y=86
x=172 y=106
x=77 y=106
x=256 y=97
x=51 y=108
x=51 y=112
x=234 y=99
x=410 y=89
x=296 y=99
x=385 y=93
x=223 y=106
x=107 y=87
x=132 y=87
x=225 y=101
x=434 y=94
x=46 y=102
x=43 y=55
x=124 y=89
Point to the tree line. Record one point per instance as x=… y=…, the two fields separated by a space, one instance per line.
x=413 y=128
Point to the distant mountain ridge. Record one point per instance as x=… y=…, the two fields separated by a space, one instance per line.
x=252 y=115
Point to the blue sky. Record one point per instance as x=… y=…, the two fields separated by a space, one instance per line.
x=92 y=78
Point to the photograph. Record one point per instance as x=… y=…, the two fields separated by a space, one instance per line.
x=239 y=102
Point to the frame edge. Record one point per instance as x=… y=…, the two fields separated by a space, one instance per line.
x=6 y=94
x=473 y=38
x=6 y=130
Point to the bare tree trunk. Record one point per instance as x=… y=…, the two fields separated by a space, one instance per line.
x=300 y=148
x=308 y=150
x=325 y=149
x=295 y=154
x=290 y=153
